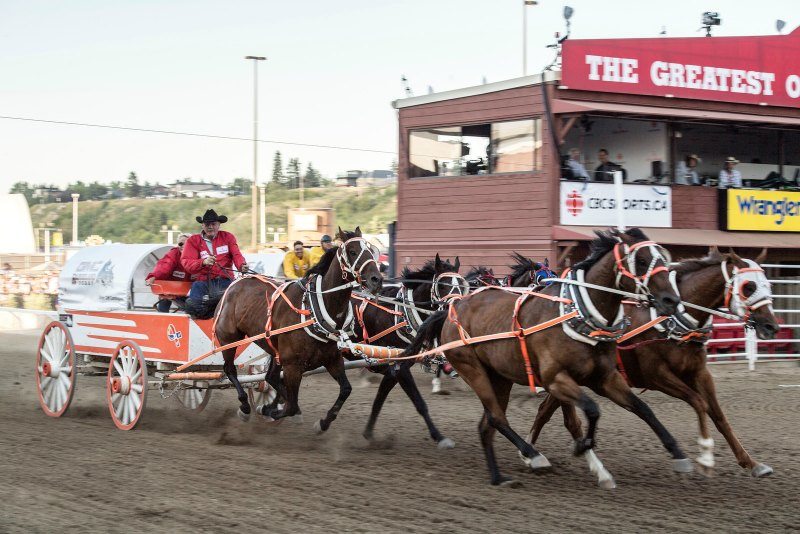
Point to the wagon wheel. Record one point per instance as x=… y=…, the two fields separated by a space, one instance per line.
x=55 y=369
x=126 y=387
x=261 y=393
x=194 y=399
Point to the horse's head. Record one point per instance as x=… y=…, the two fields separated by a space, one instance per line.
x=748 y=293
x=481 y=276
x=359 y=259
x=447 y=283
x=642 y=266
x=526 y=272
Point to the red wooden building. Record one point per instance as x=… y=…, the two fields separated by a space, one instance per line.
x=483 y=171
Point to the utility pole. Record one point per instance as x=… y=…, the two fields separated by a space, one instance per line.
x=254 y=188
x=75 y=197
x=525 y=4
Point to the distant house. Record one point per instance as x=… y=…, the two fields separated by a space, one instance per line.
x=356 y=177
x=198 y=190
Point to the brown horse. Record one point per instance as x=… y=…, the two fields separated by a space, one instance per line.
x=565 y=356
x=252 y=301
x=673 y=360
x=385 y=325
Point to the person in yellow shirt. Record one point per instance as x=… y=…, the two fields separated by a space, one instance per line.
x=316 y=253
x=296 y=263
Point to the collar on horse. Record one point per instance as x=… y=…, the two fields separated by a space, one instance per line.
x=325 y=327
x=588 y=325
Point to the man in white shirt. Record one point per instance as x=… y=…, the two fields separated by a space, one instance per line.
x=686 y=171
x=575 y=165
x=729 y=177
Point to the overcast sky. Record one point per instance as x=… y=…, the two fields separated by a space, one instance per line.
x=333 y=69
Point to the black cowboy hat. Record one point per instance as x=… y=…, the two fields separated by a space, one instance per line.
x=211 y=216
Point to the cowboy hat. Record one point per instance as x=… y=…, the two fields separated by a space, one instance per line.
x=211 y=216
x=694 y=157
x=732 y=160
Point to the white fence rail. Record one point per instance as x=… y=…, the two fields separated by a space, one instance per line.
x=786 y=295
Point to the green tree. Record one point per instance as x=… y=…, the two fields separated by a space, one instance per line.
x=132 y=187
x=241 y=186
x=312 y=177
x=277 y=169
x=24 y=188
x=97 y=191
x=293 y=173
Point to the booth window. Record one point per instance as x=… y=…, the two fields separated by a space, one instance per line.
x=501 y=147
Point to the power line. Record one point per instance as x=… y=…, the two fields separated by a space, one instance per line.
x=194 y=134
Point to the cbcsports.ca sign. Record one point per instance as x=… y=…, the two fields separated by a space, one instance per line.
x=760 y=211
x=751 y=70
x=594 y=204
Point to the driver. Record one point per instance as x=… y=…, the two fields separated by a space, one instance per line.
x=210 y=255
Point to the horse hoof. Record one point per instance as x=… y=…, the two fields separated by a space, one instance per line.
x=296 y=419
x=607 y=483
x=537 y=462
x=318 y=427
x=683 y=465
x=243 y=416
x=369 y=436
x=446 y=443
x=761 y=470
x=506 y=482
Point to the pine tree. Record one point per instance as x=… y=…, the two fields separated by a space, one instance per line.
x=312 y=178
x=293 y=173
x=277 y=169
x=132 y=187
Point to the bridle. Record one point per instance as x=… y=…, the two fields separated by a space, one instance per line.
x=625 y=263
x=349 y=268
x=458 y=286
x=543 y=272
x=735 y=299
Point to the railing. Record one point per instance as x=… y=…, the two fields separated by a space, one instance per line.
x=744 y=345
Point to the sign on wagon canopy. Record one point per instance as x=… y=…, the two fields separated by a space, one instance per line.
x=750 y=70
x=594 y=204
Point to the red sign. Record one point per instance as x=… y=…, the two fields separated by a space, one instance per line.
x=749 y=70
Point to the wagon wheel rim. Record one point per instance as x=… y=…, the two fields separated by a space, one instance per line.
x=194 y=399
x=126 y=385
x=261 y=393
x=55 y=369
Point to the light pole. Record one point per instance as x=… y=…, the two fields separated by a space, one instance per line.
x=525 y=4
x=263 y=234
x=254 y=188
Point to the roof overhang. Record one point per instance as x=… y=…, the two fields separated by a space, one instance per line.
x=566 y=107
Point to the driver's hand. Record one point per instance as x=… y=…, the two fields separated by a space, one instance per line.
x=210 y=260
x=243 y=268
x=149 y=281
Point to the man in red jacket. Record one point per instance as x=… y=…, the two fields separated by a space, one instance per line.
x=169 y=268
x=211 y=256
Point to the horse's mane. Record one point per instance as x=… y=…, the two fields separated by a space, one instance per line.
x=695 y=264
x=426 y=272
x=477 y=271
x=604 y=243
x=523 y=265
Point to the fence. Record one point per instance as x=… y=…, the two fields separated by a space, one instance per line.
x=732 y=342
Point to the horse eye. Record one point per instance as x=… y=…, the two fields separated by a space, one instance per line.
x=749 y=288
x=352 y=253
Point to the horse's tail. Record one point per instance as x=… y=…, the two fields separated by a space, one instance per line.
x=429 y=331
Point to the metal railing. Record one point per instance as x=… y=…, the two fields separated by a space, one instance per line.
x=786 y=296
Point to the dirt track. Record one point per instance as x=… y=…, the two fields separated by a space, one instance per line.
x=180 y=471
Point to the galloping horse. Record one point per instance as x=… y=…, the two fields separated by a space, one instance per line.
x=302 y=319
x=422 y=290
x=671 y=357
x=580 y=351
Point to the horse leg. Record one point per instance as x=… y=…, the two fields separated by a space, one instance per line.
x=230 y=371
x=408 y=384
x=568 y=392
x=336 y=370
x=387 y=384
x=705 y=386
x=615 y=388
x=667 y=382
x=292 y=376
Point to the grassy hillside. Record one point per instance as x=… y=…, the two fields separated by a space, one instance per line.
x=140 y=220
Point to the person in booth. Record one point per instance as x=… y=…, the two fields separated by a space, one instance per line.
x=575 y=165
x=729 y=176
x=211 y=256
x=296 y=263
x=686 y=171
x=605 y=171
x=316 y=253
x=169 y=268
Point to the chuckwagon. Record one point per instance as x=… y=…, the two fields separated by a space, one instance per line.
x=108 y=327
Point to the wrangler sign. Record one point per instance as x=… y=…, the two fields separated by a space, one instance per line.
x=761 y=211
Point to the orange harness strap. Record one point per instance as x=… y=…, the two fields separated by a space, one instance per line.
x=360 y=316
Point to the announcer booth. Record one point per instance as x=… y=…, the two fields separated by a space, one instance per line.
x=484 y=170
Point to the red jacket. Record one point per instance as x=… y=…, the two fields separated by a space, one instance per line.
x=169 y=267
x=225 y=250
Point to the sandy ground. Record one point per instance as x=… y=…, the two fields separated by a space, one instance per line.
x=181 y=471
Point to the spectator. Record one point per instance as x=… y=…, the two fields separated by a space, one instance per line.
x=316 y=253
x=605 y=171
x=729 y=177
x=575 y=165
x=210 y=255
x=296 y=263
x=686 y=171
x=169 y=268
